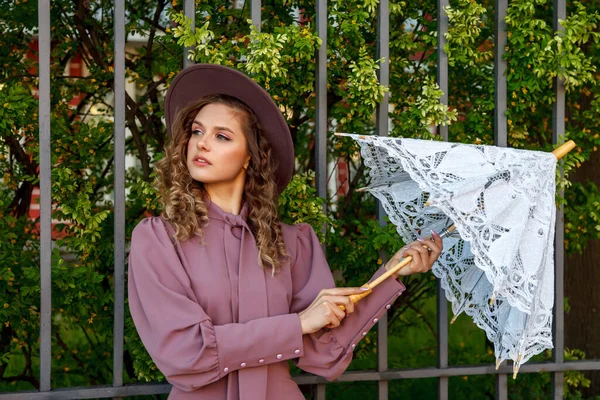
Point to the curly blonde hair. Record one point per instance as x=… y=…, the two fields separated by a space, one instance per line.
x=182 y=197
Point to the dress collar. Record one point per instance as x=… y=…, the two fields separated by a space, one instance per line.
x=216 y=212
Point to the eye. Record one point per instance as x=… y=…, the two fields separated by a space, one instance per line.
x=220 y=136
x=197 y=132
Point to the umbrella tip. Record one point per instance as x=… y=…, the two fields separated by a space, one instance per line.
x=453 y=319
x=516 y=367
x=498 y=362
x=561 y=151
x=362 y=189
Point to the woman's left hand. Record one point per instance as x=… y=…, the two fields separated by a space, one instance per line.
x=424 y=252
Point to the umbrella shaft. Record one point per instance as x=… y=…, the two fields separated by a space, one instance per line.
x=390 y=272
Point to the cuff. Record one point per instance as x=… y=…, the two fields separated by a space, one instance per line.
x=258 y=342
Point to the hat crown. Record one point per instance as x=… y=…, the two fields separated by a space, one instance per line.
x=203 y=80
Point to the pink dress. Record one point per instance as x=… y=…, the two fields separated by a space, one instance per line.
x=220 y=328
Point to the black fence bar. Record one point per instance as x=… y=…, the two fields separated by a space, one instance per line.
x=321 y=122
x=45 y=196
x=255 y=12
x=382 y=118
x=501 y=387
x=442 y=59
x=189 y=9
x=442 y=303
x=442 y=324
x=320 y=393
x=382 y=356
x=383 y=127
x=321 y=101
x=383 y=51
x=558 y=130
x=500 y=121
x=119 y=194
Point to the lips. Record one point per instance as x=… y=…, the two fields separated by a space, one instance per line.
x=201 y=161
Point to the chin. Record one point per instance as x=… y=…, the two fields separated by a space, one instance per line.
x=200 y=179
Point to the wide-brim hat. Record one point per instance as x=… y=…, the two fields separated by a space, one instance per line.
x=202 y=80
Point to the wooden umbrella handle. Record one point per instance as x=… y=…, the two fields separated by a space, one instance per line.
x=357 y=297
x=563 y=149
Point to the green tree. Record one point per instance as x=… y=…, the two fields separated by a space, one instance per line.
x=281 y=57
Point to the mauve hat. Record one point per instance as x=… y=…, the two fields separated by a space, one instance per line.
x=202 y=80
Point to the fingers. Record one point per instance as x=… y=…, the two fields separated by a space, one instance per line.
x=333 y=314
x=436 y=244
x=339 y=297
x=419 y=255
x=342 y=301
x=337 y=312
x=424 y=252
x=325 y=310
x=397 y=257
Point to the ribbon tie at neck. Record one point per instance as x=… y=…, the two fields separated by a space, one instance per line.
x=252 y=290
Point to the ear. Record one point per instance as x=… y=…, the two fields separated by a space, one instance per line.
x=247 y=162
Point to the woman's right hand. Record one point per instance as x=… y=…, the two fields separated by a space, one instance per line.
x=324 y=311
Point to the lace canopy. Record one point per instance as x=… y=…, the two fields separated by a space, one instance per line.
x=498 y=264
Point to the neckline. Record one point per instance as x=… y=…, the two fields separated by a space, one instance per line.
x=216 y=212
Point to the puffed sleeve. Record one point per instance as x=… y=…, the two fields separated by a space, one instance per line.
x=180 y=337
x=328 y=353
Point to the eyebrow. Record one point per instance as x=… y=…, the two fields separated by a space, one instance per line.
x=219 y=128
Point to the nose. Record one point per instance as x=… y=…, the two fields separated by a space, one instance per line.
x=202 y=143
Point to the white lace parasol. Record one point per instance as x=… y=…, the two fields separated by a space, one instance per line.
x=498 y=265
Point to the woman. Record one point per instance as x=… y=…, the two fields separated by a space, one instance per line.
x=222 y=293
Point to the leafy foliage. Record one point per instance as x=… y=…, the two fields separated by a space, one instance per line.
x=281 y=57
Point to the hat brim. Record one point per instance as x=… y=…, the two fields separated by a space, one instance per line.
x=202 y=80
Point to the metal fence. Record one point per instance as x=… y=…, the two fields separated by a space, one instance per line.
x=382 y=375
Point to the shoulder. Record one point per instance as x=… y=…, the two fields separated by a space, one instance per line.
x=155 y=256
x=297 y=231
x=299 y=238
x=153 y=230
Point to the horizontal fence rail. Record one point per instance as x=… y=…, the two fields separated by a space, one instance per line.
x=353 y=376
x=383 y=374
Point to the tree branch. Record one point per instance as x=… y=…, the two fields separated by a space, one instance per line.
x=429 y=326
x=148 y=57
x=91 y=46
x=81 y=364
x=21 y=378
x=136 y=135
x=102 y=176
x=153 y=22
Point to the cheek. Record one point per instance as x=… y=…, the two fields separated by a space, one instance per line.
x=190 y=146
x=237 y=157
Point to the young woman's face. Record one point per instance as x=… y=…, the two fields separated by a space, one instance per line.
x=217 y=150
